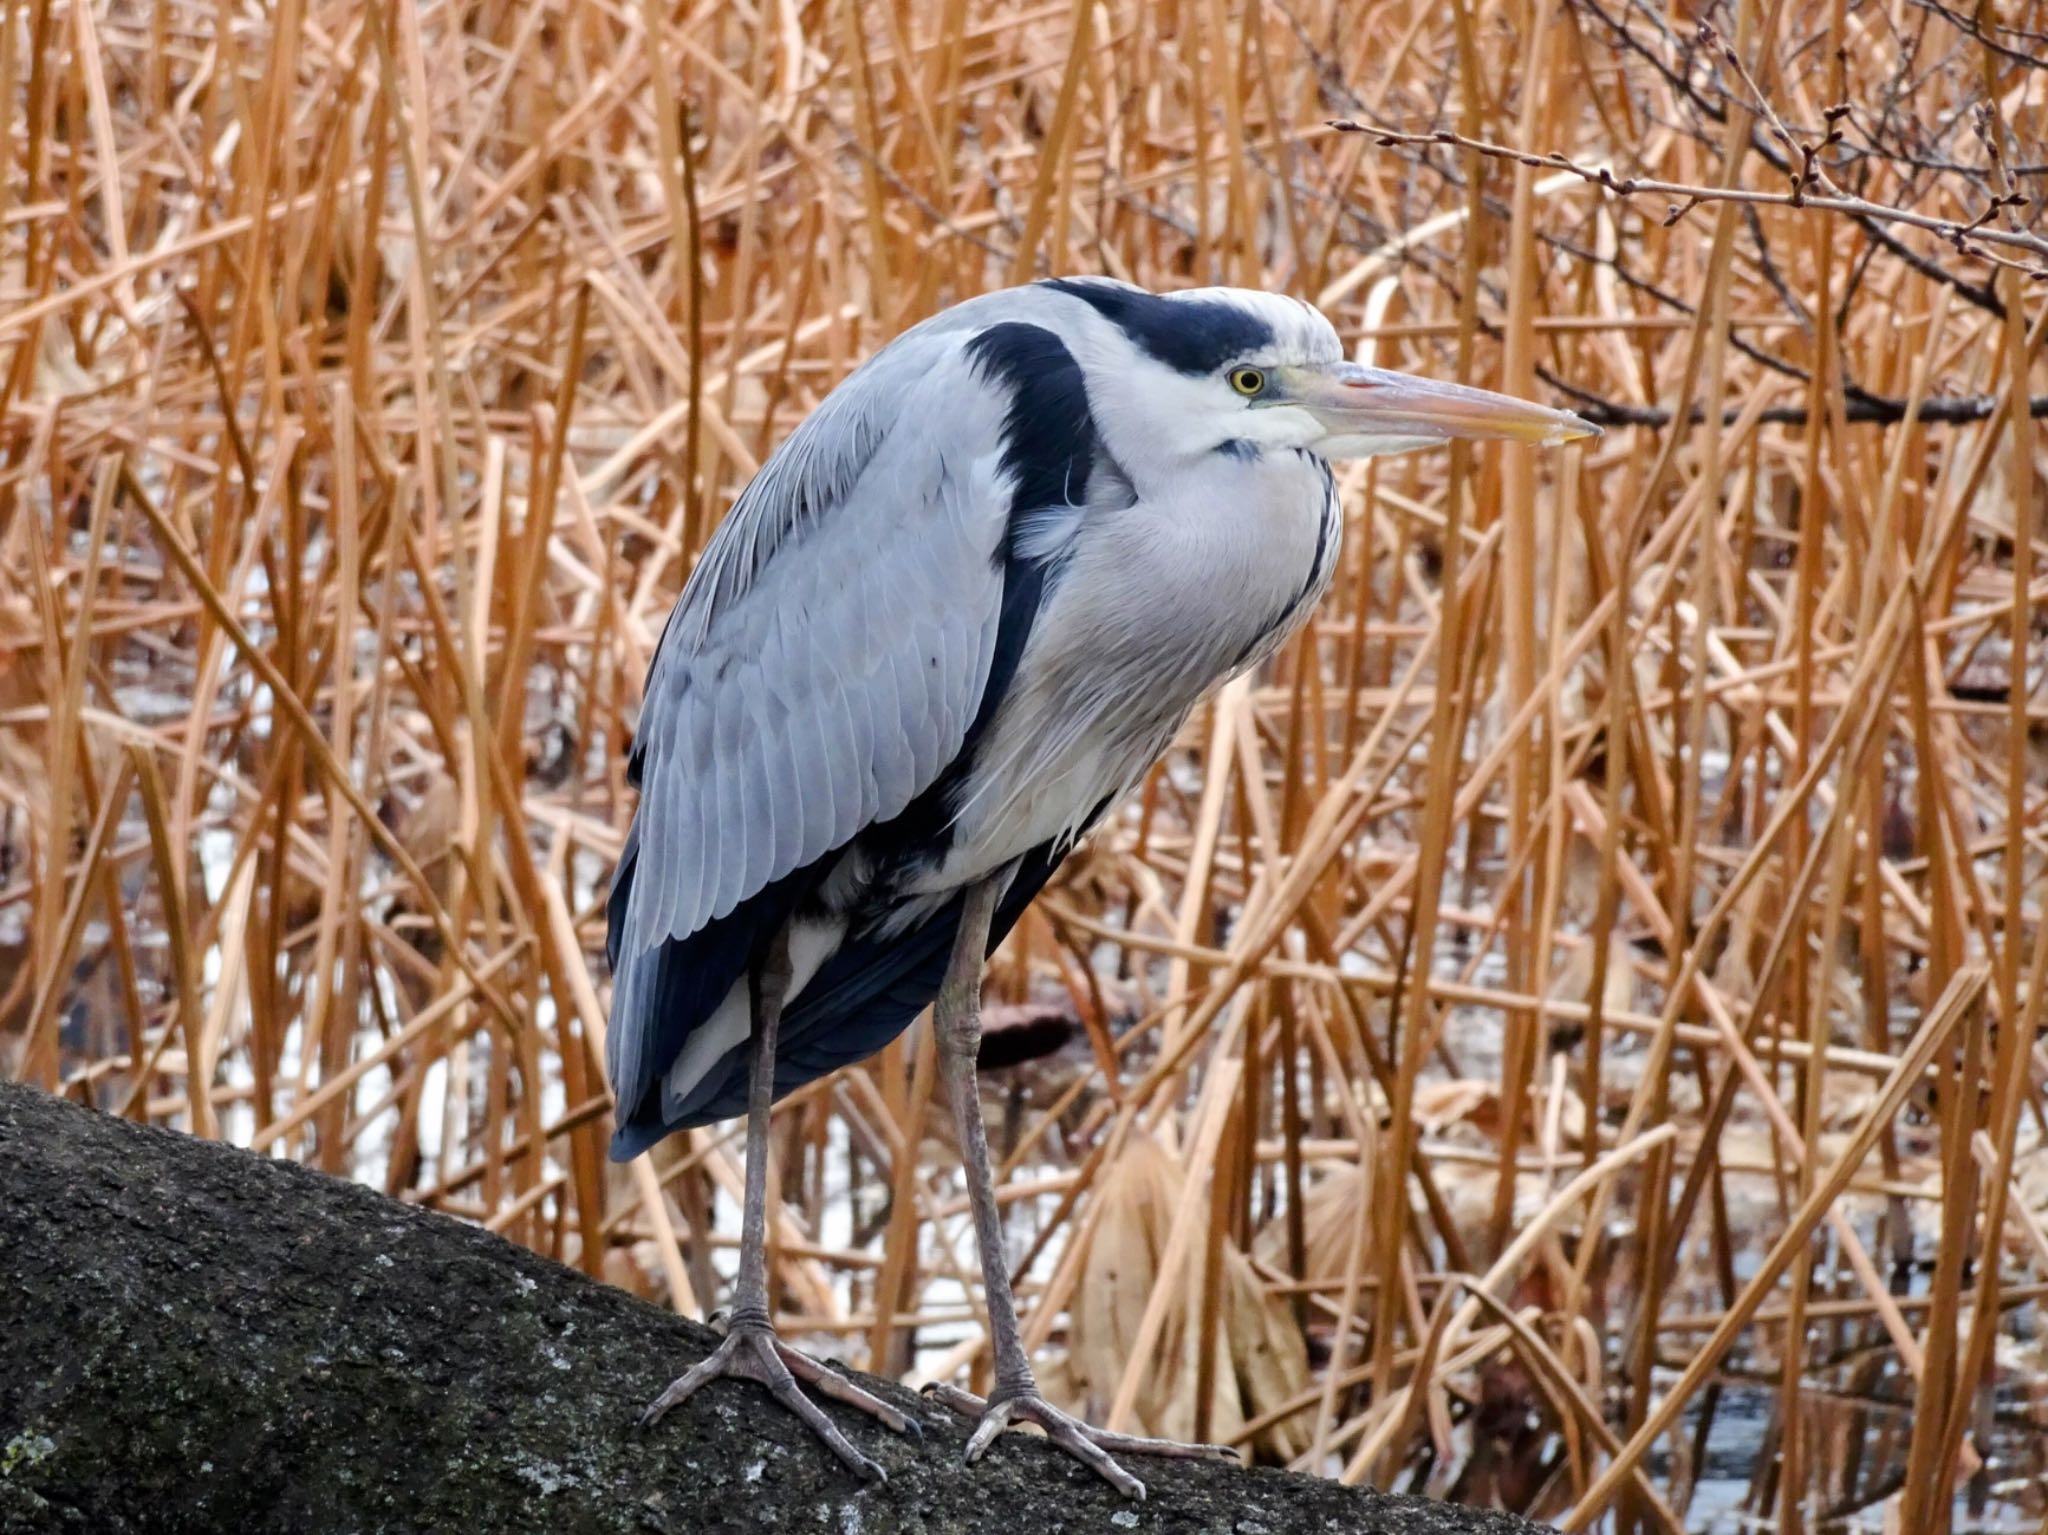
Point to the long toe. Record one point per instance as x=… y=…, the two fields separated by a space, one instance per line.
x=1169 y=1449
x=774 y=1374
x=718 y=1363
x=1073 y=1436
x=757 y=1354
x=953 y=1399
x=829 y=1382
x=1095 y=1447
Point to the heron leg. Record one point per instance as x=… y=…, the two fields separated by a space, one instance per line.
x=1015 y=1397
x=750 y=1349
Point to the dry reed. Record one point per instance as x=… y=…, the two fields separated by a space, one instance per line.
x=1564 y=1035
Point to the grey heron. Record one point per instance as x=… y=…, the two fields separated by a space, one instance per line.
x=955 y=617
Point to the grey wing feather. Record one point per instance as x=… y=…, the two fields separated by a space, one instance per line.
x=842 y=624
x=832 y=646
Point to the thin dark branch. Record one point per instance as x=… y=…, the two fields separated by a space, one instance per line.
x=1879 y=410
x=1980 y=295
x=1967 y=25
x=1968 y=238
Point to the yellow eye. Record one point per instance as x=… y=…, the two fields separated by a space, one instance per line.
x=1247 y=381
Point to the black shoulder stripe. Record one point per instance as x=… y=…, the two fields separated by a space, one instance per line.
x=1049 y=434
x=1049 y=449
x=1191 y=335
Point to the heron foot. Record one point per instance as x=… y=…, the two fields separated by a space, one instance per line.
x=754 y=1352
x=1090 y=1446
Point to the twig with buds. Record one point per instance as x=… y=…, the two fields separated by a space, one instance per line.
x=1812 y=188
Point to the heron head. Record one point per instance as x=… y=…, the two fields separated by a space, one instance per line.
x=1191 y=372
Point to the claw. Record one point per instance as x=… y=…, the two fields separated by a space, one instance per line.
x=757 y=1354
x=992 y=1423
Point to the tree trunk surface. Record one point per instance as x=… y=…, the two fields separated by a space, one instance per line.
x=194 y=1338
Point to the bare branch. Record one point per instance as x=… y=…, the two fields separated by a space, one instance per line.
x=1968 y=239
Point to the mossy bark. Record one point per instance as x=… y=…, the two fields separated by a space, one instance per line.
x=193 y=1338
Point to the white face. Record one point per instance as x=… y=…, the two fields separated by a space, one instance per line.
x=1244 y=397
x=1284 y=385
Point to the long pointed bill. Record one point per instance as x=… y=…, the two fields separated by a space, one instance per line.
x=1372 y=410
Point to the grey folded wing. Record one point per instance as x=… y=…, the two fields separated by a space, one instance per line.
x=826 y=658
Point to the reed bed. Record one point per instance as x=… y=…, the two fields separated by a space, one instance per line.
x=1563 y=1035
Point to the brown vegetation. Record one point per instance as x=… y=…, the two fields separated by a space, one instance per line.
x=1639 y=866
